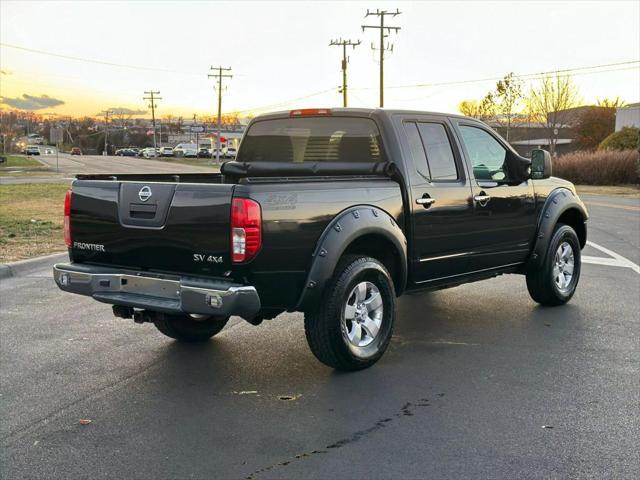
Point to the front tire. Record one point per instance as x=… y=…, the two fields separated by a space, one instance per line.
x=185 y=328
x=555 y=282
x=352 y=327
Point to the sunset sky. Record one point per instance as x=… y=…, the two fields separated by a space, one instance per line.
x=281 y=57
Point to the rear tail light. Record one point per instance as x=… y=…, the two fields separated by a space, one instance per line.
x=246 y=229
x=305 y=112
x=67 y=219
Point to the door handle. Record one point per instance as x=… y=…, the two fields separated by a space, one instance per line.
x=482 y=198
x=426 y=202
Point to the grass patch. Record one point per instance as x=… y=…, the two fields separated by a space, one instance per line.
x=630 y=191
x=31 y=220
x=27 y=173
x=20 y=161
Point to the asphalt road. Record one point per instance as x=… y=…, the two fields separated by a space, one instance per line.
x=70 y=165
x=479 y=382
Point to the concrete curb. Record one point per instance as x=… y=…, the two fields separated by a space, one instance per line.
x=21 y=267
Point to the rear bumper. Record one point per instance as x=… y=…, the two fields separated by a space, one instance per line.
x=162 y=293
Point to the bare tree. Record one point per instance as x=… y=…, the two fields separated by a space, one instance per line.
x=611 y=103
x=548 y=103
x=504 y=100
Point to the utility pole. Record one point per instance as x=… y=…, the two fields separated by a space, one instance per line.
x=106 y=114
x=195 y=124
x=219 y=76
x=152 y=98
x=382 y=27
x=345 y=60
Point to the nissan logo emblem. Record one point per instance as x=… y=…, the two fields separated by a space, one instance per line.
x=144 y=194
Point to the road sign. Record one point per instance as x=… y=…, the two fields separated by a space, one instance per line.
x=56 y=135
x=197 y=129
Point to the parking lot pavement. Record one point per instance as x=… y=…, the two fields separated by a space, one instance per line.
x=71 y=165
x=479 y=382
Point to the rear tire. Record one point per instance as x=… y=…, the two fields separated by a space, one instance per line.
x=352 y=327
x=185 y=328
x=555 y=282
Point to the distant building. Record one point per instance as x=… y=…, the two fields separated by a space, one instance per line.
x=628 y=116
x=524 y=147
x=527 y=136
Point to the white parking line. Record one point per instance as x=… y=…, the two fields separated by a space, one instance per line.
x=615 y=261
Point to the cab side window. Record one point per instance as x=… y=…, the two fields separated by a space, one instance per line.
x=442 y=164
x=417 y=150
x=431 y=151
x=488 y=157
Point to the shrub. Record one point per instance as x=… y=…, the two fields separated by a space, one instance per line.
x=594 y=125
x=599 y=168
x=626 y=139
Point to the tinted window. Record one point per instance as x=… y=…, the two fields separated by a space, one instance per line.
x=417 y=150
x=442 y=165
x=487 y=155
x=312 y=139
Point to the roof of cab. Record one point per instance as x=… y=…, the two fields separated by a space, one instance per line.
x=365 y=112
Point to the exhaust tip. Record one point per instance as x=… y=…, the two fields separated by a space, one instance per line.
x=122 y=312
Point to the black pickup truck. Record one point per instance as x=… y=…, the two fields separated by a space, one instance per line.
x=333 y=213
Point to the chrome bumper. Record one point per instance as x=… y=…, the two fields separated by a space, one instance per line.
x=161 y=293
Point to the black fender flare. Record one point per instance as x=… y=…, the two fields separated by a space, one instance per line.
x=347 y=226
x=558 y=202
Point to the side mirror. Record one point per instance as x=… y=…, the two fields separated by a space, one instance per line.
x=540 y=164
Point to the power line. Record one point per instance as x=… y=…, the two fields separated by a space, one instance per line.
x=382 y=27
x=91 y=60
x=283 y=103
x=152 y=103
x=219 y=76
x=526 y=76
x=345 y=59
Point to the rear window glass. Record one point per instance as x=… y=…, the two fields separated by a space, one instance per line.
x=312 y=139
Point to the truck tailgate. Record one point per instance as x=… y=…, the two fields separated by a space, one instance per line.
x=159 y=226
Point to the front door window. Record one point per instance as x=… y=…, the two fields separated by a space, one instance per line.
x=488 y=157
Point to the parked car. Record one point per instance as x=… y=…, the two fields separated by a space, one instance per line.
x=149 y=152
x=125 y=152
x=213 y=153
x=32 y=150
x=3 y=159
x=166 y=152
x=76 y=151
x=186 y=150
x=331 y=213
x=204 y=153
x=230 y=152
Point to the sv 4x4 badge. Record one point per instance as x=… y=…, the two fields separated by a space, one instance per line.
x=202 y=258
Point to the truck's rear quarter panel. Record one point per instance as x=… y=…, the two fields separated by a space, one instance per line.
x=294 y=216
